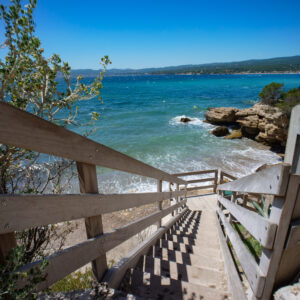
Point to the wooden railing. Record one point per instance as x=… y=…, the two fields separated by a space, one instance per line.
x=18 y=212
x=269 y=231
x=213 y=177
x=225 y=177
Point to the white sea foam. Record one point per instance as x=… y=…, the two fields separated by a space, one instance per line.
x=194 y=121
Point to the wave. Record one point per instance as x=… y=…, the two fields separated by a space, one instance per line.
x=194 y=121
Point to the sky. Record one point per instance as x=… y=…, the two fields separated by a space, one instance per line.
x=144 y=33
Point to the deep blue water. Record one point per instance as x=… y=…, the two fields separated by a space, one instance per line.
x=140 y=117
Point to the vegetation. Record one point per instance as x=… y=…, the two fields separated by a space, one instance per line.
x=280 y=64
x=273 y=94
x=28 y=80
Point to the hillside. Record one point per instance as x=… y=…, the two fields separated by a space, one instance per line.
x=271 y=65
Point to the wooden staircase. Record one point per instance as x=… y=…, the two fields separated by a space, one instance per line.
x=185 y=263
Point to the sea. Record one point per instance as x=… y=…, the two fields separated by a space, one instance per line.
x=140 y=116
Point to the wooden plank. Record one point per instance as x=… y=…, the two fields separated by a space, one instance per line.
x=19 y=212
x=272 y=181
x=201 y=180
x=261 y=228
x=281 y=213
x=294 y=236
x=88 y=183
x=224 y=174
x=195 y=173
x=7 y=242
x=22 y=129
x=159 y=204
x=294 y=130
x=69 y=260
x=116 y=273
x=200 y=187
x=249 y=265
x=234 y=281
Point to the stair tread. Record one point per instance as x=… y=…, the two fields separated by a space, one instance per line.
x=188 y=273
x=151 y=286
x=187 y=258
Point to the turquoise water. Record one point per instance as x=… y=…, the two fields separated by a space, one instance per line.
x=140 y=117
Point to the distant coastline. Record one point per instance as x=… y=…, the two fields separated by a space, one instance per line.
x=279 y=65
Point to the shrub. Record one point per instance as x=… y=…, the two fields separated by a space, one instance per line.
x=271 y=93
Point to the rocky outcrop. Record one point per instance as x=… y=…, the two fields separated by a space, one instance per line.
x=264 y=123
x=220 y=131
x=221 y=115
x=185 y=120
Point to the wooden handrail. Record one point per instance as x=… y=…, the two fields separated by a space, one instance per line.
x=66 y=261
x=22 y=129
x=195 y=173
x=20 y=212
x=271 y=181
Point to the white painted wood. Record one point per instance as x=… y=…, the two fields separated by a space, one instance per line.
x=249 y=265
x=261 y=228
x=201 y=180
x=195 y=173
x=235 y=284
x=294 y=236
x=116 y=273
x=272 y=181
x=294 y=130
x=281 y=213
x=69 y=260
x=19 y=212
x=22 y=129
x=201 y=187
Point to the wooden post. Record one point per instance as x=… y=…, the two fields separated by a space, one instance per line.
x=7 y=242
x=87 y=176
x=216 y=181
x=177 y=198
x=159 y=203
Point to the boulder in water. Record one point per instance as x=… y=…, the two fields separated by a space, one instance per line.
x=220 y=131
x=185 y=120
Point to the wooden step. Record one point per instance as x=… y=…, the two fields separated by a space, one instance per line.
x=191 y=234
x=151 y=286
x=209 y=252
x=205 y=241
x=201 y=261
x=191 y=274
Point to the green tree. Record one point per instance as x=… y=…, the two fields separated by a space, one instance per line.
x=271 y=93
x=29 y=81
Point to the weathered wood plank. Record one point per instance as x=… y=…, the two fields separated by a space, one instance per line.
x=281 y=214
x=294 y=236
x=195 y=173
x=224 y=174
x=159 y=204
x=7 y=242
x=69 y=260
x=22 y=129
x=261 y=228
x=272 y=181
x=116 y=273
x=235 y=284
x=201 y=180
x=249 y=265
x=88 y=183
x=200 y=187
x=19 y=212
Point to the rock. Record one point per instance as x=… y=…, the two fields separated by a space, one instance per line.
x=263 y=123
x=234 y=134
x=185 y=120
x=290 y=292
x=221 y=115
x=220 y=131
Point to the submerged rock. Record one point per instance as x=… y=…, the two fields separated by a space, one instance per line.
x=185 y=120
x=220 y=131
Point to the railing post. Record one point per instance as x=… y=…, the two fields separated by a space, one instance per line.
x=159 y=203
x=216 y=181
x=87 y=176
x=177 y=198
x=7 y=242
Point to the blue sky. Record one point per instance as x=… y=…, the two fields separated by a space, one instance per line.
x=145 y=33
